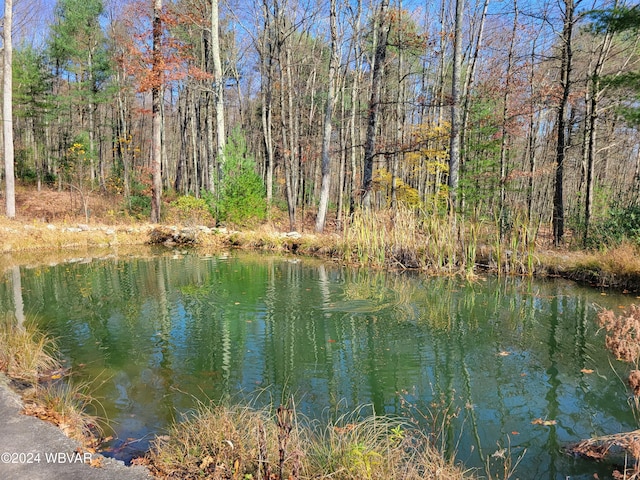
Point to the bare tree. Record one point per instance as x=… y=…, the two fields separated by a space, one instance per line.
x=374 y=103
x=505 y=119
x=218 y=91
x=566 y=65
x=456 y=114
x=328 y=114
x=7 y=111
x=593 y=94
x=156 y=108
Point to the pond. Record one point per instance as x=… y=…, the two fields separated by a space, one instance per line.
x=156 y=334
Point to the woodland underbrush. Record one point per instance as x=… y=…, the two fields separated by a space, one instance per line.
x=431 y=240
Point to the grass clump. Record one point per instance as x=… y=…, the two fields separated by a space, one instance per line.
x=25 y=352
x=67 y=404
x=30 y=357
x=239 y=442
x=618 y=266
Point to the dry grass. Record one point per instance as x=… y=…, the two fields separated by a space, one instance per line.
x=25 y=352
x=17 y=237
x=405 y=238
x=615 y=267
x=49 y=221
x=243 y=443
x=30 y=356
x=218 y=442
x=623 y=340
x=67 y=404
x=623 y=333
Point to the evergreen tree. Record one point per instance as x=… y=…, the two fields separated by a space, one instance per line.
x=623 y=20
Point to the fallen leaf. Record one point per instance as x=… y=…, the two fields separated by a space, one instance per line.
x=206 y=461
x=499 y=453
x=546 y=423
x=504 y=353
x=603 y=294
x=96 y=462
x=586 y=370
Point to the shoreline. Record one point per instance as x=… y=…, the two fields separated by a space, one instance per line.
x=38 y=243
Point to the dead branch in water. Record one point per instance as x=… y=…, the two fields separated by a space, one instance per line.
x=624 y=445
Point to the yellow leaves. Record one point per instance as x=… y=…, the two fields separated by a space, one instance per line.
x=435 y=167
x=77 y=149
x=429 y=131
x=404 y=193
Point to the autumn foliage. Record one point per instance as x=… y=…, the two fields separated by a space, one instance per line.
x=135 y=52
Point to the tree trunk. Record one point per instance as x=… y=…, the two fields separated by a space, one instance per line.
x=374 y=104
x=326 y=133
x=466 y=88
x=218 y=91
x=592 y=95
x=266 y=96
x=505 y=119
x=7 y=111
x=561 y=121
x=156 y=112
x=456 y=118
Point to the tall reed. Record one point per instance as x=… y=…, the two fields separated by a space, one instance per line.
x=514 y=247
x=409 y=238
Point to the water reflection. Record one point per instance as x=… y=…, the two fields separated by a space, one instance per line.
x=163 y=332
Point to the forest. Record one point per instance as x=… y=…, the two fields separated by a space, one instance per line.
x=515 y=113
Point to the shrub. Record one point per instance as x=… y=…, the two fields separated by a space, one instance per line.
x=190 y=210
x=241 y=192
x=622 y=223
x=139 y=206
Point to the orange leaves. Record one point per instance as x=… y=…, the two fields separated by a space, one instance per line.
x=171 y=62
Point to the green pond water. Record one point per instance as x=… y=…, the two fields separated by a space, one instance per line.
x=162 y=331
